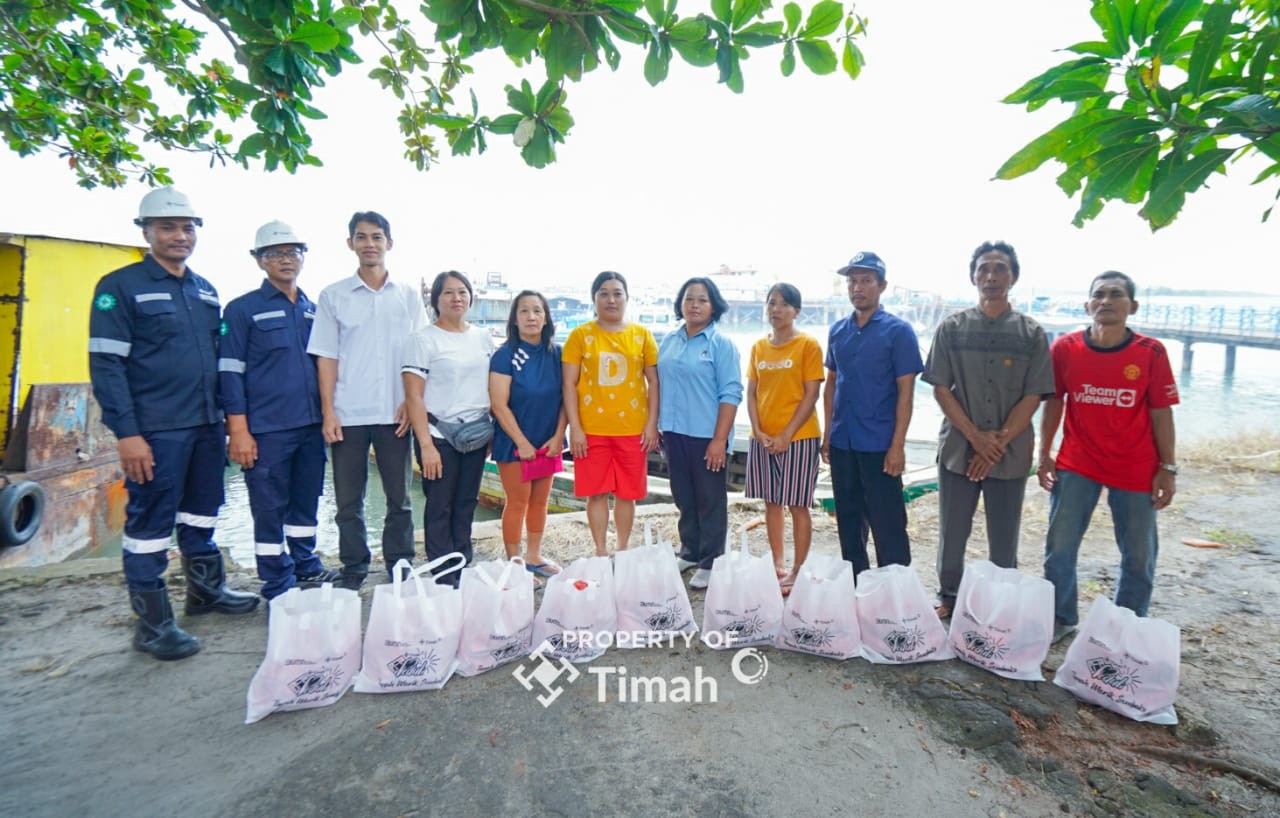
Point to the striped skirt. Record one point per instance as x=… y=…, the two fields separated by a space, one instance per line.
x=786 y=479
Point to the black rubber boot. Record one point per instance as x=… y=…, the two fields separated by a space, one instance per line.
x=207 y=590
x=156 y=632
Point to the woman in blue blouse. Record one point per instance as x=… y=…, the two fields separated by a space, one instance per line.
x=701 y=386
x=526 y=395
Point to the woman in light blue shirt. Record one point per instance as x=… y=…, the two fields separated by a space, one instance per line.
x=701 y=378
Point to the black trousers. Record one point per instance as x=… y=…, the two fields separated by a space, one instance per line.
x=700 y=494
x=868 y=499
x=451 y=503
x=351 y=474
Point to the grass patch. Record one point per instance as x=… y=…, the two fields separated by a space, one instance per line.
x=1230 y=536
x=1248 y=451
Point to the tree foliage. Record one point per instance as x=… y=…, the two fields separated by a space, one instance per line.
x=1172 y=92
x=83 y=78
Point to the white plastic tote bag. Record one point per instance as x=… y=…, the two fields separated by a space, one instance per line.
x=313 y=651
x=1125 y=663
x=1003 y=620
x=577 y=617
x=411 y=641
x=653 y=605
x=497 y=615
x=897 y=620
x=819 y=616
x=744 y=603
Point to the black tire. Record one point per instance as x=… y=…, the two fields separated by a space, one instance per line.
x=21 y=511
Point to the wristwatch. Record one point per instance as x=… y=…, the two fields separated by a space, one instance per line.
x=1169 y=467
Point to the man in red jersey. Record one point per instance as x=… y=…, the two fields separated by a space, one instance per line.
x=1117 y=391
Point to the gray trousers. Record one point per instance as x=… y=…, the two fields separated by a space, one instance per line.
x=957 y=502
x=350 y=475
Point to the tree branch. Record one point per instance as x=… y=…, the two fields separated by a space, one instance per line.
x=199 y=7
x=556 y=12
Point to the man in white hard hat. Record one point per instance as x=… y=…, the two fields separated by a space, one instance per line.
x=153 y=350
x=272 y=399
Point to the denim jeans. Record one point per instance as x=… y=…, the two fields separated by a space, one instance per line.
x=1070 y=506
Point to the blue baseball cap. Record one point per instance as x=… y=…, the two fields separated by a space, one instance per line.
x=865 y=260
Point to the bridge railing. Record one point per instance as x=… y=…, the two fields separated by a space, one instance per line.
x=1244 y=322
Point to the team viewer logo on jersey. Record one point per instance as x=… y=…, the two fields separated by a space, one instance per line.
x=1105 y=396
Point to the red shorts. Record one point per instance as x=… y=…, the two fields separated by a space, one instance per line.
x=613 y=464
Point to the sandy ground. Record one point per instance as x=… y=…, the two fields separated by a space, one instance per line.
x=92 y=727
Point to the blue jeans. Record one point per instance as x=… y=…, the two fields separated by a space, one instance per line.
x=1070 y=506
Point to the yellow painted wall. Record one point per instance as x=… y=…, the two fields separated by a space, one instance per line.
x=57 y=279
x=10 y=292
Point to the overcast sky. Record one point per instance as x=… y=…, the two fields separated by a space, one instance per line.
x=790 y=178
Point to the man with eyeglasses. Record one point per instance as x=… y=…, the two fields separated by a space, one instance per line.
x=271 y=396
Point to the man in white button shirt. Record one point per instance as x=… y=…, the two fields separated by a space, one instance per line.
x=360 y=327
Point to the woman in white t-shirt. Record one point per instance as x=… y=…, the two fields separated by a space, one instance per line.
x=446 y=387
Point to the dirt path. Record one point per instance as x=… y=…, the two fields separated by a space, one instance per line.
x=91 y=727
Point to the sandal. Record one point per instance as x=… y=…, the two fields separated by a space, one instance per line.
x=543 y=569
x=942 y=609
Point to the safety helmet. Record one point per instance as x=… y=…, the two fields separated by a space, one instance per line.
x=165 y=202
x=273 y=233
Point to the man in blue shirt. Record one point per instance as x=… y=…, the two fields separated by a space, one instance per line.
x=272 y=400
x=153 y=347
x=872 y=362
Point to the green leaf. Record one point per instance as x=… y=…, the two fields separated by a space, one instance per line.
x=1124 y=171
x=559 y=120
x=744 y=11
x=1051 y=144
x=1169 y=27
x=346 y=17
x=1095 y=47
x=818 y=55
x=1167 y=197
x=851 y=60
x=521 y=99
x=1035 y=88
x=793 y=14
x=505 y=124
x=701 y=53
x=1204 y=56
x=1255 y=110
x=1144 y=17
x=657 y=10
x=788 y=59
x=1259 y=76
x=320 y=37
x=252 y=145
x=11 y=62
x=657 y=62
x=759 y=35
x=539 y=152
x=449 y=122
x=722 y=10
x=1113 y=23
x=689 y=29
x=824 y=18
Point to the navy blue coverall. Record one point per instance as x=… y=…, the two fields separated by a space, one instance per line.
x=153 y=349
x=265 y=373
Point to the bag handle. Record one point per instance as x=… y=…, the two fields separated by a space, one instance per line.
x=648 y=533
x=430 y=567
x=504 y=577
x=1001 y=599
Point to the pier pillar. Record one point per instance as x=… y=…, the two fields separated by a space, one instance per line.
x=1187 y=355
x=1231 y=360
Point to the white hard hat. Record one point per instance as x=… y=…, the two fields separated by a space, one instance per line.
x=166 y=202
x=273 y=233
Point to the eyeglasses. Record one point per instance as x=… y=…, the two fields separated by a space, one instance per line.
x=277 y=255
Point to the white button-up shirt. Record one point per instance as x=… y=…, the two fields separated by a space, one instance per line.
x=365 y=330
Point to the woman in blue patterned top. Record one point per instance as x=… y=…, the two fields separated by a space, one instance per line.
x=525 y=391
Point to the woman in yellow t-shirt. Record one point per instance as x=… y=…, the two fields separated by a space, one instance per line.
x=783 y=375
x=611 y=398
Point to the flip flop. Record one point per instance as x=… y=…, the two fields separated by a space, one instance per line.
x=543 y=569
x=942 y=610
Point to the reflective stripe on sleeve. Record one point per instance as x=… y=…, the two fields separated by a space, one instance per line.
x=210 y=298
x=110 y=346
x=197 y=520
x=231 y=365
x=268 y=549
x=263 y=316
x=299 y=531
x=142 y=297
x=135 y=546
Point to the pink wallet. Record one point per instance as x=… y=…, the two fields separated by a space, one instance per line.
x=543 y=465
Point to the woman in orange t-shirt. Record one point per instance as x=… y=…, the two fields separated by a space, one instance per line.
x=783 y=376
